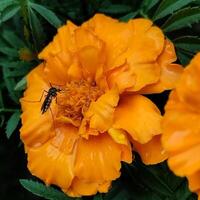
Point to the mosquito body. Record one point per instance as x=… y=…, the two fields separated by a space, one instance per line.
x=51 y=94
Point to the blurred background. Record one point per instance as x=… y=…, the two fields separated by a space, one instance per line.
x=26 y=26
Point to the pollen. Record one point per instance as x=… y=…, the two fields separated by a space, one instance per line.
x=75 y=99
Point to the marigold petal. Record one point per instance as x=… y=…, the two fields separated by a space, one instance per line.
x=56 y=70
x=194 y=181
x=151 y=152
x=115 y=34
x=145 y=74
x=181 y=126
x=139 y=117
x=64 y=41
x=146 y=46
x=100 y=164
x=31 y=107
x=54 y=161
x=185 y=163
x=91 y=59
x=170 y=73
x=189 y=83
x=100 y=113
x=118 y=136
x=121 y=77
x=82 y=187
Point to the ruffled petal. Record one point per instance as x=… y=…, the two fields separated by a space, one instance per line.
x=98 y=159
x=139 y=117
x=32 y=118
x=189 y=84
x=63 y=42
x=152 y=152
x=54 y=161
x=145 y=74
x=121 y=77
x=100 y=114
x=170 y=73
x=115 y=34
x=56 y=68
x=82 y=187
x=90 y=52
x=194 y=181
x=181 y=126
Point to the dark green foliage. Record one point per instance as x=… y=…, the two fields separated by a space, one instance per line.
x=27 y=26
x=44 y=191
x=182 y=18
x=12 y=123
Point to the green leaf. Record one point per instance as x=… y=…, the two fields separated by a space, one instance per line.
x=115 y=9
x=10 y=84
x=98 y=197
x=167 y=7
x=37 y=30
x=46 y=192
x=47 y=14
x=129 y=16
x=12 y=123
x=158 y=184
x=5 y=3
x=21 y=85
x=182 y=18
x=188 y=43
x=9 y=51
x=8 y=13
x=11 y=38
x=183 y=192
x=147 y=5
x=183 y=57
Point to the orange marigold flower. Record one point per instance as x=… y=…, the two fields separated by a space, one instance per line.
x=103 y=67
x=181 y=137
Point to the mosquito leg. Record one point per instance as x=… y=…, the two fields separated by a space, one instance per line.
x=44 y=91
x=53 y=119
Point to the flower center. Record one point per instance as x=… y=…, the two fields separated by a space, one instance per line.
x=75 y=100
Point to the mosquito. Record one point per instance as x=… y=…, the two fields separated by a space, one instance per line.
x=50 y=95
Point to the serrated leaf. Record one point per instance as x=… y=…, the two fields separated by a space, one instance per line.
x=12 y=123
x=167 y=7
x=8 y=13
x=129 y=16
x=6 y=3
x=188 y=43
x=46 y=192
x=115 y=9
x=47 y=14
x=181 y=19
x=21 y=85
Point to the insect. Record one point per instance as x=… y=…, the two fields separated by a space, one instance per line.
x=51 y=93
